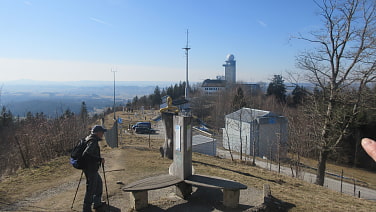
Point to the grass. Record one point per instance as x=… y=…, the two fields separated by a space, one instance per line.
x=141 y=161
x=363 y=177
x=27 y=181
x=144 y=162
x=305 y=196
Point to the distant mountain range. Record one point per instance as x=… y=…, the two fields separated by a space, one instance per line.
x=54 y=98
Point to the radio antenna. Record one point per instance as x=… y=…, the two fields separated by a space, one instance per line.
x=186 y=68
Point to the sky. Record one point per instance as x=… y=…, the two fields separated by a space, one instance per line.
x=142 y=40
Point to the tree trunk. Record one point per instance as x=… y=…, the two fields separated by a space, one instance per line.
x=357 y=145
x=321 y=167
x=228 y=143
x=240 y=136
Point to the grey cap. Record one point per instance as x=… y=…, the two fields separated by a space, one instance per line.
x=98 y=128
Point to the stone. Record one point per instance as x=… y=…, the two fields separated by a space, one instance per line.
x=231 y=198
x=139 y=199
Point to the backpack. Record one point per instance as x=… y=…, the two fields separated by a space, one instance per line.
x=77 y=159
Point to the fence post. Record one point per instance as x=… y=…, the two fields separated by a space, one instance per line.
x=149 y=141
x=354 y=187
x=341 y=180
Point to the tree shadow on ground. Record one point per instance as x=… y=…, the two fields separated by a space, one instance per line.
x=273 y=204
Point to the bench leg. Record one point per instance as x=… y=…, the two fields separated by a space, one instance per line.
x=183 y=190
x=231 y=198
x=139 y=199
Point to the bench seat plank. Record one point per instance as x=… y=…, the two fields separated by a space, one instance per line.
x=214 y=182
x=152 y=183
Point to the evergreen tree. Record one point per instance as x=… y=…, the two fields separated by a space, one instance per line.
x=298 y=95
x=163 y=93
x=84 y=115
x=239 y=100
x=29 y=116
x=156 y=98
x=135 y=101
x=170 y=91
x=6 y=117
x=67 y=114
x=277 y=88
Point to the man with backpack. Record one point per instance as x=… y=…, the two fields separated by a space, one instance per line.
x=93 y=161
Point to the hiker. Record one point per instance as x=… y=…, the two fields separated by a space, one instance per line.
x=94 y=186
x=369 y=146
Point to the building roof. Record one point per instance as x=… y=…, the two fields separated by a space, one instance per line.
x=214 y=83
x=182 y=102
x=200 y=139
x=248 y=115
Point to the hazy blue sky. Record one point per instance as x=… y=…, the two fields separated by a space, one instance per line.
x=70 y=40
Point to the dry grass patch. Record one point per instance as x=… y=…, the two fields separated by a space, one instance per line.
x=28 y=181
x=363 y=177
x=305 y=196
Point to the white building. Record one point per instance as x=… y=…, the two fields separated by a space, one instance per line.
x=263 y=130
x=230 y=69
x=210 y=87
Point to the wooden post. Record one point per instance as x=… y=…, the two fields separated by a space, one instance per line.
x=341 y=180
x=354 y=187
x=149 y=140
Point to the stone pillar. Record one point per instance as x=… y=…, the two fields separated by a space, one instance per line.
x=231 y=198
x=266 y=192
x=183 y=190
x=138 y=199
x=182 y=137
x=182 y=165
x=167 y=149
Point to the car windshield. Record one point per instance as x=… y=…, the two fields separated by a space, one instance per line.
x=147 y=125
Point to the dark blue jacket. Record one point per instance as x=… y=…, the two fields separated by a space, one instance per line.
x=92 y=153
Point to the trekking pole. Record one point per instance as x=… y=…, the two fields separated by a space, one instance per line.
x=77 y=190
x=105 y=184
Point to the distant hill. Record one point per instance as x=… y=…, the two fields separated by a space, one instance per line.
x=53 y=98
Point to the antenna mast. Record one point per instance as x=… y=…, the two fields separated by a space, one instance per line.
x=115 y=120
x=186 y=68
x=114 y=94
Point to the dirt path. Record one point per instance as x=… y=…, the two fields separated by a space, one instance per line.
x=60 y=198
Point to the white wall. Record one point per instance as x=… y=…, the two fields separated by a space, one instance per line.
x=266 y=135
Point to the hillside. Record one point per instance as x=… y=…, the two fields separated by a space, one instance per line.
x=51 y=187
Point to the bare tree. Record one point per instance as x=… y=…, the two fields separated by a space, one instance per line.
x=228 y=143
x=344 y=59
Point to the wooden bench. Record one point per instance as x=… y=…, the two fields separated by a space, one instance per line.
x=139 y=189
x=231 y=189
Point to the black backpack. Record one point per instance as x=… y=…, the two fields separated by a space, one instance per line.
x=77 y=158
